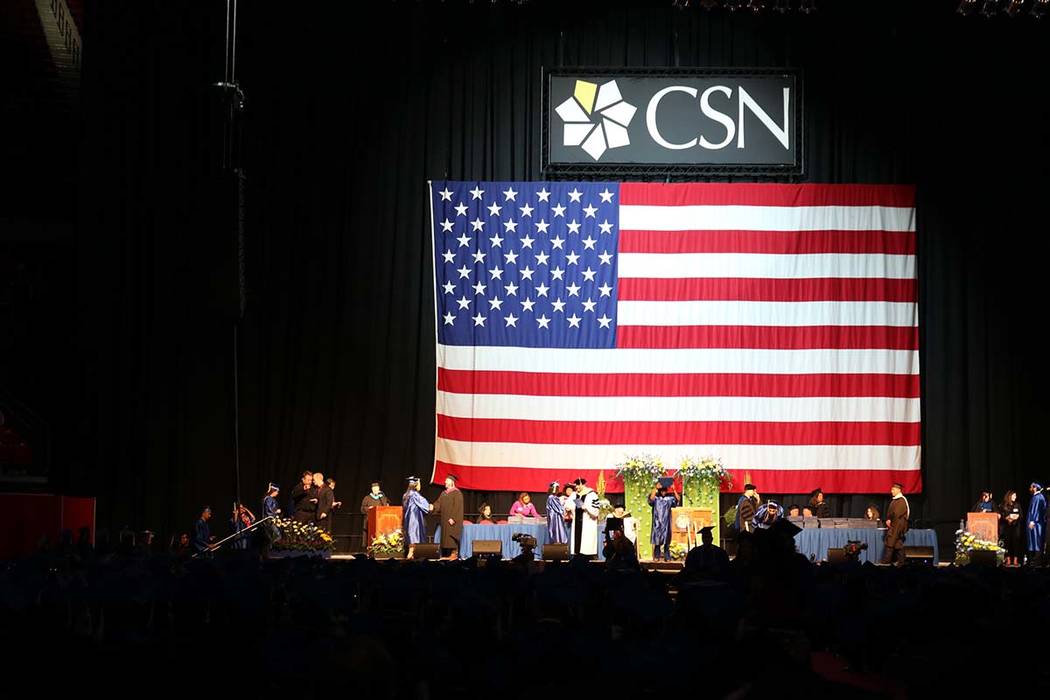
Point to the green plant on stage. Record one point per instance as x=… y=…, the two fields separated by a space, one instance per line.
x=388 y=545
x=301 y=537
x=966 y=542
x=678 y=551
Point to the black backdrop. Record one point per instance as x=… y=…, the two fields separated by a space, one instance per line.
x=351 y=107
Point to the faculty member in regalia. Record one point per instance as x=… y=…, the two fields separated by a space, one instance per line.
x=897 y=515
x=585 y=521
x=450 y=505
x=413 y=509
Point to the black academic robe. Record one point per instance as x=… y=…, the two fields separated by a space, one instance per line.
x=820 y=510
x=449 y=505
x=302 y=507
x=1010 y=533
x=897 y=514
x=325 y=499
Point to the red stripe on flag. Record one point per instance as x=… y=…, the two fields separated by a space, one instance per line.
x=769 y=481
x=769 y=242
x=769 y=337
x=540 y=432
x=772 y=195
x=900 y=386
x=766 y=289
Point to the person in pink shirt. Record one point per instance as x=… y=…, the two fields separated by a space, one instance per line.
x=524 y=507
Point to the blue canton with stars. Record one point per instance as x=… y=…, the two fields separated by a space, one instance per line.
x=527 y=264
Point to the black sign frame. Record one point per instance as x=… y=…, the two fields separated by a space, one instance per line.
x=671 y=170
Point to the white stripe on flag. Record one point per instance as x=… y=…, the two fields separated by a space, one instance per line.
x=758 y=218
x=720 y=265
x=575 y=457
x=765 y=313
x=698 y=361
x=677 y=408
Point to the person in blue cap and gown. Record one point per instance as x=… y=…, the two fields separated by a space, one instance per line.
x=413 y=509
x=1036 y=521
x=660 y=536
x=556 y=531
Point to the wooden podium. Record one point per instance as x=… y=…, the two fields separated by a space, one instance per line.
x=985 y=526
x=382 y=520
x=682 y=518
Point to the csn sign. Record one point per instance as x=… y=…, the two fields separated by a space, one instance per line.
x=673 y=120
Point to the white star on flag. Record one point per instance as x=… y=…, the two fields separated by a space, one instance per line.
x=449 y=256
x=476 y=192
x=541 y=258
x=575 y=195
x=558 y=210
x=589 y=274
x=479 y=320
x=526 y=210
x=479 y=289
x=541 y=289
x=464 y=272
x=527 y=305
x=605 y=226
x=511 y=320
x=479 y=256
x=542 y=226
x=461 y=209
x=544 y=195
x=495 y=209
x=590 y=210
x=573 y=290
x=574 y=227
x=464 y=240
x=510 y=194
x=446 y=195
x=496 y=304
x=603 y=321
x=606 y=195
x=543 y=321
x=463 y=302
x=558 y=305
x=478 y=224
x=449 y=319
x=574 y=321
x=605 y=289
x=446 y=226
x=605 y=258
x=589 y=305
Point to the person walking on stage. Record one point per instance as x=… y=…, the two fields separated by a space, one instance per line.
x=202 y=533
x=1036 y=523
x=413 y=509
x=271 y=508
x=746 y=508
x=660 y=536
x=556 y=533
x=450 y=505
x=897 y=515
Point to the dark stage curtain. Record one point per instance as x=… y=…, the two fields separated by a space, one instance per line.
x=348 y=114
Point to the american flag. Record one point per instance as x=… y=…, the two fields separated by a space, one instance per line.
x=772 y=326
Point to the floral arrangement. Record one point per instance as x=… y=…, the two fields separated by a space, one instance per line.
x=642 y=469
x=966 y=542
x=705 y=469
x=302 y=537
x=388 y=545
x=605 y=507
x=678 y=551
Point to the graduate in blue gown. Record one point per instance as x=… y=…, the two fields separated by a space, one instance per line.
x=556 y=531
x=660 y=537
x=413 y=508
x=271 y=507
x=767 y=515
x=1036 y=520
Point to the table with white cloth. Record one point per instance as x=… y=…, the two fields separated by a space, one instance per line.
x=815 y=542
x=504 y=533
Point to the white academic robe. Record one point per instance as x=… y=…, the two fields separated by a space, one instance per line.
x=587 y=519
x=630 y=529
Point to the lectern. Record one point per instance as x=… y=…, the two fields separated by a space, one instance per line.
x=382 y=520
x=985 y=526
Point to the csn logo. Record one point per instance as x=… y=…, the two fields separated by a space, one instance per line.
x=596 y=118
